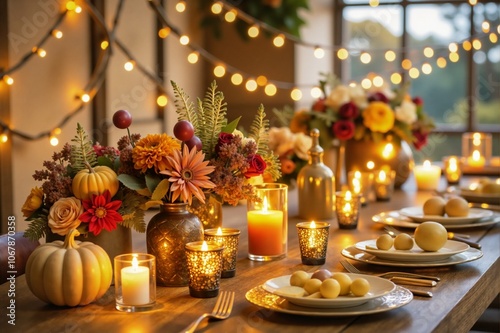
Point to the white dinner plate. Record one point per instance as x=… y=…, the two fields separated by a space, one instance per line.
x=353 y=253
x=416 y=214
x=395 y=219
x=397 y=298
x=378 y=287
x=472 y=196
x=415 y=254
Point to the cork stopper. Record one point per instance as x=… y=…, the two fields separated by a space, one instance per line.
x=315 y=147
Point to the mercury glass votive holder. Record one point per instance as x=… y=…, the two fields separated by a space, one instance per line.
x=135 y=282
x=452 y=166
x=347 y=207
x=204 y=261
x=313 y=242
x=384 y=184
x=229 y=238
x=361 y=182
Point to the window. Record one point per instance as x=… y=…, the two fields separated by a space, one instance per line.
x=450 y=48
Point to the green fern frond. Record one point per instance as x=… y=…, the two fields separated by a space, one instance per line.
x=82 y=151
x=133 y=215
x=214 y=118
x=284 y=116
x=37 y=228
x=259 y=131
x=184 y=107
x=273 y=166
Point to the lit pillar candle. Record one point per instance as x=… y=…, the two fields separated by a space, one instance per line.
x=347 y=207
x=135 y=284
x=384 y=184
x=452 y=169
x=265 y=231
x=476 y=160
x=427 y=176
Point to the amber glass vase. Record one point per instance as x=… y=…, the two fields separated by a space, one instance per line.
x=209 y=213
x=166 y=236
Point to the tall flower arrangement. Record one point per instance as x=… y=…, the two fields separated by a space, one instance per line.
x=350 y=112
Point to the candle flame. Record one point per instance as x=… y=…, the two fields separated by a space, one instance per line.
x=264 y=204
x=357 y=175
x=135 y=262
x=347 y=208
x=348 y=196
x=382 y=176
x=476 y=155
x=427 y=164
x=204 y=246
x=313 y=224
x=370 y=165
x=219 y=231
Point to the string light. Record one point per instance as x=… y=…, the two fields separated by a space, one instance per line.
x=406 y=64
x=216 y=8
x=296 y=94
x=316 y=92
x=104 y=45
x=390 y=56
x=231 y=15
x=270 y=89
x=374 y=3
x=85 y=98
x=4 y=138
x=476 y=44
x=193 y=57
x=162 y=100
x=493 y=38
x=236 y=79
x=251 y=85
x=261 y=80
x=57 y=34
x=70 y=5
x=78 y=9
x=279 y=40
x=219 y=71
x=164 y=32
x=8 y=80
x=473 y=2
x=454 y=57
x=396 y=78
x=426 y=68
x=319 y=53
x=342 y=54
x=54 y=141
x=453 y=47
x=414 y=73
x=366 y=83
x=378 y=81
x=485 y=26
x=253 y=31
x=41 y=52
x=428 y=52
x=184 y=40
x=441 y=62
x=365 y=58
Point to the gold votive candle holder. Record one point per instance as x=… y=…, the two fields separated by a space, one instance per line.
x=267 y=219
x=313 y=242
x=452 y=166
x=476 y=149
x=204 y=261
x=384 y=184
x=135 y=282
x=347 y=207
x=361 y=182
x=228 y=238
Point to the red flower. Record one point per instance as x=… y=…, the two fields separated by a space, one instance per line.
x=418 y=101
x=420 y=139
x=101 y=213
x=257 y=166
x=378 y=97
x=319 y=105
x=224 y=138
x=348 y=111
x=343 y=129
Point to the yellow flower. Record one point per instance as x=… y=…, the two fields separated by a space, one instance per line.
x=64 y=215
x=33 y=201
x=378 y=117
x=152 y=151
x=299 y=122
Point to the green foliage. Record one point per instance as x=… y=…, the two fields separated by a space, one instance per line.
x=185 y=108
x=132 y=211
x=82 y=152
x=37 y=227
x=259 y=131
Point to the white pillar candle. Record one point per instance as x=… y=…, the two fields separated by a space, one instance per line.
x=427 y=176
x=135 y=284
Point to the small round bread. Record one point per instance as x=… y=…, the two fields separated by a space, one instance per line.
x=312 y=286
x=384 y=242
x=321 y=274
x=290 y=291
x=344 y=281
x=457 y=207
x=330 y=288
x=430 y=236
x=403 y=242
x=434 y=206
x=298 y=278
x=360 y=287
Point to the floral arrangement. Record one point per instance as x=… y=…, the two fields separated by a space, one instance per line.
x=80 y=190
x=291 y=148
x=348 y=112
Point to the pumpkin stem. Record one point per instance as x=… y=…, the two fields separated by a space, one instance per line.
x=91 y=169
x=69 y=241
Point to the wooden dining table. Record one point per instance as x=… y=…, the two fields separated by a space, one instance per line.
x=459 y=299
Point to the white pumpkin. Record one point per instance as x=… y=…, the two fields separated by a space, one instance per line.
x=69 y=273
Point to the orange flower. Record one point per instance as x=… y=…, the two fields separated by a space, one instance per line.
x=378 y=117
x=33 y=202
x=299 y=122
x=188 y=174
x=152 y=151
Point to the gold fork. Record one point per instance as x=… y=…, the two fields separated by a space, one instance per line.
x=350 y=268
x=222 y=310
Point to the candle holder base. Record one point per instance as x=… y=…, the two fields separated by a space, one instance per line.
x=134 y=308
x=348 y=226
x=384 y=199
x=313 y=261
x=203 y=293
x=256 y=257
x=228 y=274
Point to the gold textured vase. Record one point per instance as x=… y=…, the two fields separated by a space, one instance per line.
x=166 y=236
x=209 y=213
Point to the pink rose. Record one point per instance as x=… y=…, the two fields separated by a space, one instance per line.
x=343 y=129
x=257 y=165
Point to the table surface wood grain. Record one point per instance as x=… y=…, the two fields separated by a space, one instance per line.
x=464 y=292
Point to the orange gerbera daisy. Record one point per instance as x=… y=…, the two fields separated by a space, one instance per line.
x=188 y=174
x=152 y=152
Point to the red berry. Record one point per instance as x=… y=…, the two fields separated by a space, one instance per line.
x=418 y=101
x=122 y=119
x=194 y=142
x=319 y=105
x=183 y=130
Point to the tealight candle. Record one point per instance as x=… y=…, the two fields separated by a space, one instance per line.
x=384 y=184
x=361 y=183
x=477 y=148
x=268 y=222
x=204 y=261
x=135 y=286
x=347 y=206
x=427 y=176
x=476 y=160
x=452 y=169
x=313 y=242
x=227 y=237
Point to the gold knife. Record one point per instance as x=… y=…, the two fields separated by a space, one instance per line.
x=413 y=282
x=452 y=236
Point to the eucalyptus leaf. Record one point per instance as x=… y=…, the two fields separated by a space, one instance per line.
x=131 y=182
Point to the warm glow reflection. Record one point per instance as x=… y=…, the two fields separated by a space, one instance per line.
x=370 y=165
x=219 y=231
x=388 y=151
x=427 y=164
